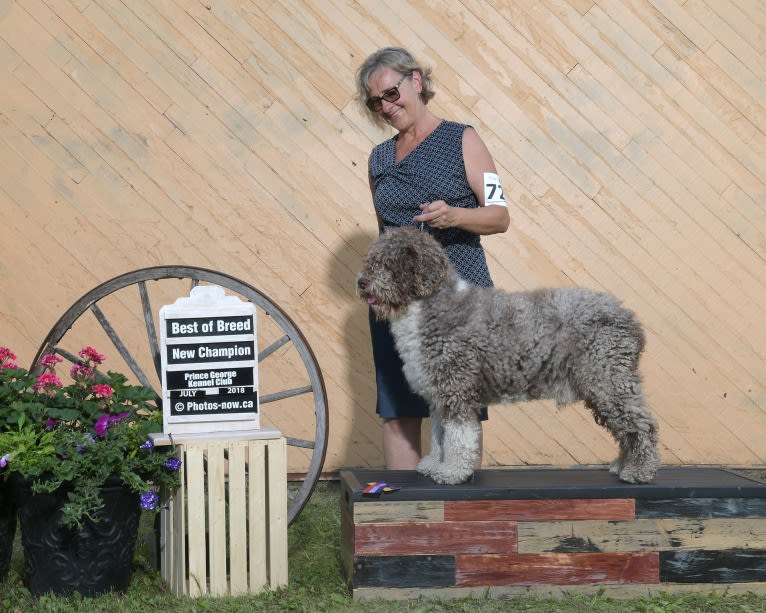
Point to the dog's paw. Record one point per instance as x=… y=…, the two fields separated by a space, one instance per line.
x=639 y=476
x=427 y=465
x=450 y=475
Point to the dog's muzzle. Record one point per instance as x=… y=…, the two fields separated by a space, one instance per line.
x=363 y=285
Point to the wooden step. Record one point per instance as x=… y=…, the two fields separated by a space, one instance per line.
x=547 y=530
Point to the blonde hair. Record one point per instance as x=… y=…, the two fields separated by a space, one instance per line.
x=399 y=60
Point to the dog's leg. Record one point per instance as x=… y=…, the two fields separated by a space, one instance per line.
x=429 y=462
x=460 y=449
x=641 y=458
x=635 y=429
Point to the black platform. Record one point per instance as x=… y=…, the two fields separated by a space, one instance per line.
x=554 y=483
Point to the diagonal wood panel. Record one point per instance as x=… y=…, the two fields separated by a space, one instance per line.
x=630 y=135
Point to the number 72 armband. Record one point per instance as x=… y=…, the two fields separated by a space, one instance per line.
x=493 y=191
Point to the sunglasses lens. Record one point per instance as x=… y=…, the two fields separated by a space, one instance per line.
x=391 y=95
x=375 y=104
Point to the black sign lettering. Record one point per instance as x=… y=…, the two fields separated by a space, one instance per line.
x=215 y=377
x=240 y=351
x=208 y=326
x=217 y=404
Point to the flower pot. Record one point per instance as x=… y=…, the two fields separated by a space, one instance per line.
x=93 y=560
x=7 y=527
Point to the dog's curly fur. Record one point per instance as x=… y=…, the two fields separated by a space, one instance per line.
x=465 y=347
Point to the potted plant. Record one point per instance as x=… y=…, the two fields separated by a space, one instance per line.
x=8 y=387
x=82 y=466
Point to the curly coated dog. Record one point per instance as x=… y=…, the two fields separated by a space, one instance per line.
x=464 y=347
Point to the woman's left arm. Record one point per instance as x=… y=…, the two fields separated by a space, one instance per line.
x=490 y=219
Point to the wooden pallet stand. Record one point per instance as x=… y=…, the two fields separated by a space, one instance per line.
x=224 y=531
x=550 y=531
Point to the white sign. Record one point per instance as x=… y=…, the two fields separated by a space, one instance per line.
x=209 y=355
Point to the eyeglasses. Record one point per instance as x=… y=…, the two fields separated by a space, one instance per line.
x=375 y=104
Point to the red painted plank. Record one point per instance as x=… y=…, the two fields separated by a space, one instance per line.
x=435 y=538
x=557 y=569
x=540 y=510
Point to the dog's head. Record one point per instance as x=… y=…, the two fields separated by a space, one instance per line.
x=403 y=265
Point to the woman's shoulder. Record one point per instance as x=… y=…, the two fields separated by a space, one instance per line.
x=453 y=131
x=454 y=126
x=381 y=152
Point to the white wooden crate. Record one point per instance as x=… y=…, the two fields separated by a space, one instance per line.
x=217 y=540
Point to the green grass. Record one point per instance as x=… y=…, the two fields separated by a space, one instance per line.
x=316 y=584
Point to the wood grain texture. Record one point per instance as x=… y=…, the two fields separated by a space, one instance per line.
x=630 y=138
x=641 y=534
x=539 y=510
x=404 y=571
x=448 y=537
x=559 y=569
x=396 y=512
x=731 y=566
x=702 y=508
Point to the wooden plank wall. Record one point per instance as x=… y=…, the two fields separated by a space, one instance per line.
x=630 y=136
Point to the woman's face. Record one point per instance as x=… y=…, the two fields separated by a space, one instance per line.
x=401 y=113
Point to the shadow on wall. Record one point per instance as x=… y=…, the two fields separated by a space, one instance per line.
x=360 y=428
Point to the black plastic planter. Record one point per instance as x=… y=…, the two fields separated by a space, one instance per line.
x=94 y=560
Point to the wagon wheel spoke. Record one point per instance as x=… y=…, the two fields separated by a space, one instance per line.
x=151 y=328
x=117 y=342
x=129 y=323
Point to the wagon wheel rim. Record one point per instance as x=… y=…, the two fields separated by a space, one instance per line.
x=88 y=305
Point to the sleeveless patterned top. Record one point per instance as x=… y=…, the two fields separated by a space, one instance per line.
x=434 y=170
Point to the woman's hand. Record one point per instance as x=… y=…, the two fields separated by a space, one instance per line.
x=482 y=220
x=438 y=214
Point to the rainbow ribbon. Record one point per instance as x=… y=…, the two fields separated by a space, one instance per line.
x=376 y=488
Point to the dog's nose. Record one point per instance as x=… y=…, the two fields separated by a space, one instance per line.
x=362 y=283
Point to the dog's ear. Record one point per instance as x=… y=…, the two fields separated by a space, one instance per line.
x=431 y=266
x=408 y=265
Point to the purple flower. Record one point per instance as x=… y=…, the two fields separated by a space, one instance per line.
x=50 y=423
x=148 y=444
x=173 y=463
x=102 y=423
x=113 y=419
x=149 y=500
x=4 y=460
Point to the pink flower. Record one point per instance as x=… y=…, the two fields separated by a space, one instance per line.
x=47 y=384
x=78 y=371
x=91 y=355
x=49 y=360
x=7 y=358
x=102 y=391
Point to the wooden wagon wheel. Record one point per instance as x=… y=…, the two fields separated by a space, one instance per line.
x=296 y=399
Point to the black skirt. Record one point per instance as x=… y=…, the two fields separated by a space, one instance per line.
x=395 y=398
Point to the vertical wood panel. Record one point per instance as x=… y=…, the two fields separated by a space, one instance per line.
x=237 y=537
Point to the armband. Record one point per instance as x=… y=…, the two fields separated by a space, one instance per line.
x=493 y=191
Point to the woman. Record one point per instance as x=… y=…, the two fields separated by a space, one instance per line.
x=436 y=174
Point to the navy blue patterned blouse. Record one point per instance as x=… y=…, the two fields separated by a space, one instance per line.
x=434 y=170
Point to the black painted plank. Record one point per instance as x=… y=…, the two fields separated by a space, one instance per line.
x=404 y=571
x=700 y=508
x=552 y=483
x=729 y=566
